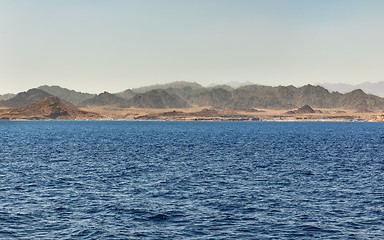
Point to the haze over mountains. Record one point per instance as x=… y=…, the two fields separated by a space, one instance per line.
x=376 y=88
x=25 y=98
x=66 y=94
x=186 y=94
x=105 y=99
x=6 y=96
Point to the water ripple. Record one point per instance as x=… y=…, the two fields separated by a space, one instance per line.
x=179 y=180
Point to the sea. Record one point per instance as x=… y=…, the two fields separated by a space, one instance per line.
x=191 y=180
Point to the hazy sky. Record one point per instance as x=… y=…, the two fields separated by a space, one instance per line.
x=115 y=45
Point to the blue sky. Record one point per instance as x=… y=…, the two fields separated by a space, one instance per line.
x=114 y=45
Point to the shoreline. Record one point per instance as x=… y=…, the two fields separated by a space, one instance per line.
x=129 y=120
x=203 y=114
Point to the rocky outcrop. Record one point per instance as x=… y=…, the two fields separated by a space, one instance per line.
x=105 y=99
x=215 y=97
x=157 y=99
x=303 y=110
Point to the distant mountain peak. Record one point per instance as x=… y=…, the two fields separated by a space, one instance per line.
x=70 y=96
x=127 y=94
x=7 y=96
x=232 y=84
x=175 y=85
x=375 y=88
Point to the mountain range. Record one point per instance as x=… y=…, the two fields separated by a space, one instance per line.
x=25 y=98
x=186 y=94
x=376 y=88
x=66 y=94
x=105 y=99
x=7 y=96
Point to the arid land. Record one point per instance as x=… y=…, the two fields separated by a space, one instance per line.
x=205 y=114
x=209 y=114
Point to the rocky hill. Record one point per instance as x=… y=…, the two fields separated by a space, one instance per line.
x=215 y=97
x=65 y=94
x=226 y=87
x=49 y=108
x=303 y=110
x=360 y=101
x=127 y=94
x=157 y=99
x=25 y=98
x=105 y=99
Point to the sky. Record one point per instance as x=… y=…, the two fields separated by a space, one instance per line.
x=113 y=45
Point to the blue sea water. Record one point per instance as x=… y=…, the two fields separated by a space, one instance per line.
x=191 y=180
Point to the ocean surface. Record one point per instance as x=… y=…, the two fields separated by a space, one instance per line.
x=191 y=180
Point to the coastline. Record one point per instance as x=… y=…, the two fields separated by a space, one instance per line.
x=207 y=115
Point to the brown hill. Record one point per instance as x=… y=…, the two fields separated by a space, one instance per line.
x=157 y=99
x=303 y=110
x=105 y=99
x=50 y=108
x=25 y=98
x=361 y=101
